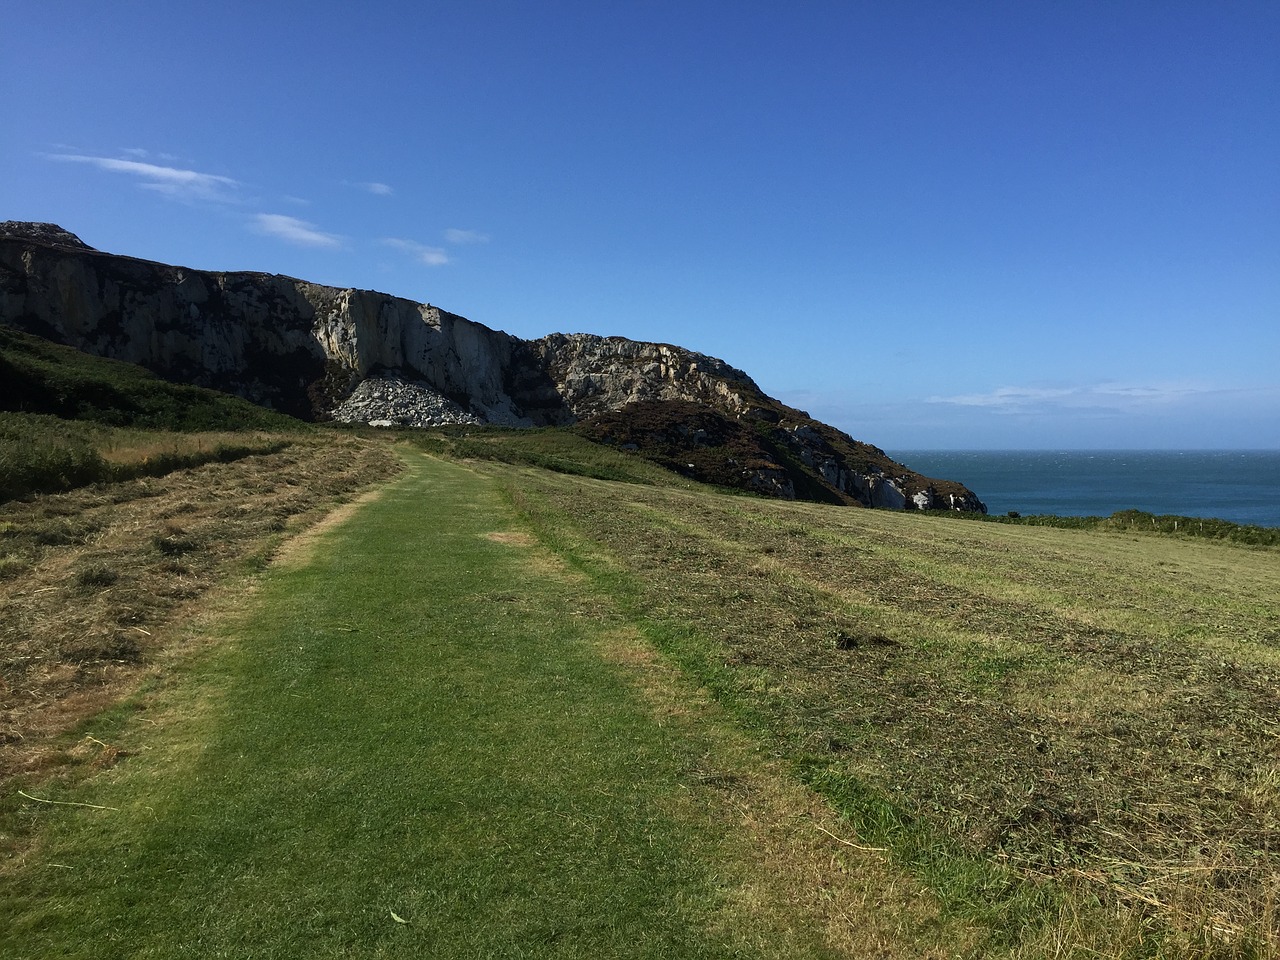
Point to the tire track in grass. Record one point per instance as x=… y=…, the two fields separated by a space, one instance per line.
x=412 y=746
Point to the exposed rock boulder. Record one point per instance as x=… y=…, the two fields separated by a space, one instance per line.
x=321 y=352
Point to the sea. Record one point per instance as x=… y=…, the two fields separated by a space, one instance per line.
x=1242 y=486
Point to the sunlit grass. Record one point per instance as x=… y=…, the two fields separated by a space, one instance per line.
x=44 y=454
x=414 y=744
x=1067 y=733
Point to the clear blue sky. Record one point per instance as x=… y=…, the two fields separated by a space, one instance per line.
x=933 y=224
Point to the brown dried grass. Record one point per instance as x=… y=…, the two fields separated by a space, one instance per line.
x=99 y=581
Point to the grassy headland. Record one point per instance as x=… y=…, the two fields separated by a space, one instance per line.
x=68 y=419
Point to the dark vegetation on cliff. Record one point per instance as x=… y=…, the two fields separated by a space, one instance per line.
x=770 y=449
x=39 y=376
x=68 y=419
x=705 y=445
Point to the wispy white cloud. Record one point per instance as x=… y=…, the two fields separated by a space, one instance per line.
x=172 y=181
x=141 y=153
x=293 y=230
x=461 y=237
x=431 y=256
x=1019 y=399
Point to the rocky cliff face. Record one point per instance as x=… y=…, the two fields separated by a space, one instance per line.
x=299 y=347
x=319 y=352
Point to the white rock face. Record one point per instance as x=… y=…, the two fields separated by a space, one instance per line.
x=879 y=491
x=298 y=346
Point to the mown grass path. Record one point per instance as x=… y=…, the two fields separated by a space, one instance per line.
x=408 y=744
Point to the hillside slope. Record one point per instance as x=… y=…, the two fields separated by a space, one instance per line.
x=321 y=352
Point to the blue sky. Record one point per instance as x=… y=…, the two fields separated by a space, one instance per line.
x=933 y=224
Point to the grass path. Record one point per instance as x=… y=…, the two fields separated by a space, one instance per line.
x=415 y=742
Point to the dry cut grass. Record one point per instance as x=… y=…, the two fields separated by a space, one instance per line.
x=1092 y=715
x=94 y=583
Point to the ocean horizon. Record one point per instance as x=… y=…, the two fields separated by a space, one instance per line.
x=1242 y=486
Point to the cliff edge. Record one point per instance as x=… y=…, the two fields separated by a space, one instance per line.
x=320 y=352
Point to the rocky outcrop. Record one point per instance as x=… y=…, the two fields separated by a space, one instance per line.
x=594 y=374
x=48 y=233
x=322 y=352
x=772 y=448
x=295 y=346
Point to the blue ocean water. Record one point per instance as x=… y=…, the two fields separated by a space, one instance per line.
x=1242 y=486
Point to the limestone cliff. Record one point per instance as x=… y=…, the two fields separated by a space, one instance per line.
x=319 y=352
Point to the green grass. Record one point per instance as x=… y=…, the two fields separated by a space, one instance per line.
x=1060 y=741
x=40 y=453
x=1139 y=521
x=38 y=376
x=68 y=419
x=1068 y=735
x=550 y=448
x=409 y=745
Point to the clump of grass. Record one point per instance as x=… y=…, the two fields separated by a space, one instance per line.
x=37 y=454
x=96 y=577
x=173 y=545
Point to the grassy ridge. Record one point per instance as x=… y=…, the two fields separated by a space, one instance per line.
x=1140 y=521
x=40 y=453
x=549 y=448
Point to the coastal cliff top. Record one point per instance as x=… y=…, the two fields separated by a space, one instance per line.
x=43 y=232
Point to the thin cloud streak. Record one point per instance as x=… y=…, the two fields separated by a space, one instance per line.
x=293 y=230
x=171 y=181
x=1015 y=399
x=377 y=189
x=430 y=256
x=463 y=237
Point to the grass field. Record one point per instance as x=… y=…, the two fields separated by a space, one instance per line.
x=426 y=737
x=1071 y=735
x=542 y=699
